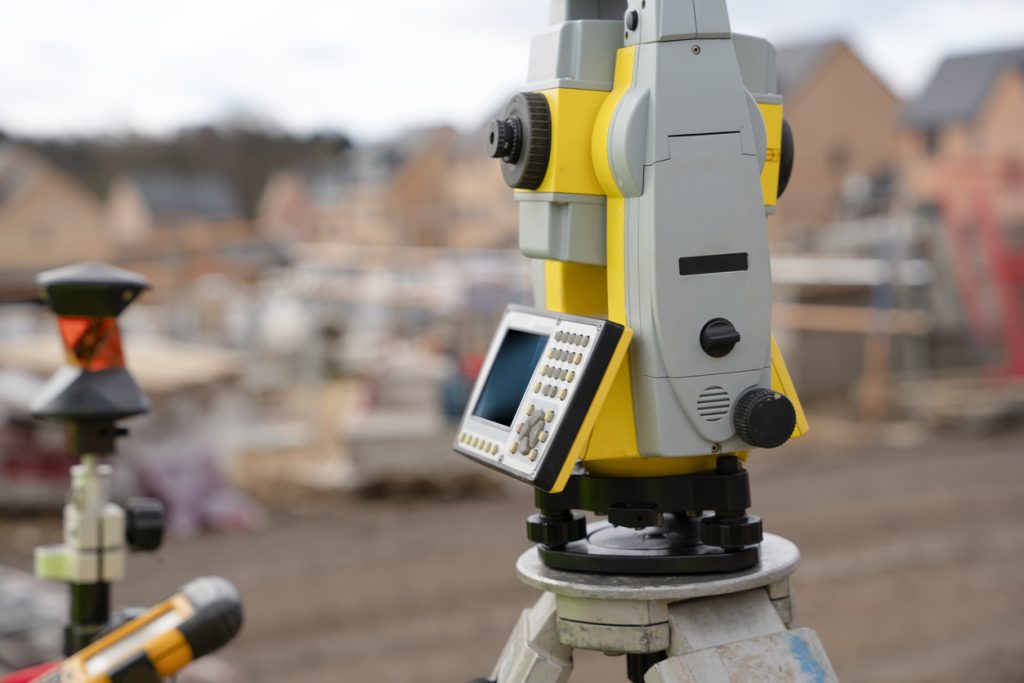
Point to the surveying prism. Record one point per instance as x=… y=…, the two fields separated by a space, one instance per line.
x=91 y=394
x=645 y=153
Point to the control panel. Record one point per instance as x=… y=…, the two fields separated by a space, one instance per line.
x=540 y=388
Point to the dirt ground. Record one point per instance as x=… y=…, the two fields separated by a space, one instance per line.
x=912 y=571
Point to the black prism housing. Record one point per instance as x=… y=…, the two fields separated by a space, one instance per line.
x=90 y=401
x=90 y=289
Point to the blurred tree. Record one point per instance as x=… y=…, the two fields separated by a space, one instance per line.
x=243 y=147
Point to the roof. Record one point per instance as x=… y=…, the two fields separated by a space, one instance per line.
x=796 y=64
x=172 y=197
x=961 y=86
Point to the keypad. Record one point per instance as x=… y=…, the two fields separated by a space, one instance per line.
x=555 y=380
x=537 y=421
x=478 y=443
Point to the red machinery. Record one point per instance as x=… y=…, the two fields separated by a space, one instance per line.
x=983 y=201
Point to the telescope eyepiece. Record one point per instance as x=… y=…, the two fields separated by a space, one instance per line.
x=521 y=139
x=504 y=139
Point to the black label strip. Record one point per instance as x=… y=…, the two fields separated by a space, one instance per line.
x=713 y=263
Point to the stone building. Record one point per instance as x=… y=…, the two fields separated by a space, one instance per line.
x=176 y=227
x=426 y=188
x=964 y=133
x=46 y=219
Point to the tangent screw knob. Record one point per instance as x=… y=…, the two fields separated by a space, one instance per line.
x=731 y=533
x=556 y=531
x=145 y=523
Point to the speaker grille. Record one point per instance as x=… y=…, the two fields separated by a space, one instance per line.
x=713 y=404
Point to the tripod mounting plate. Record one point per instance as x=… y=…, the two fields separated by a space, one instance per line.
x=778 y=559
x=656 y=525
x=608 y=549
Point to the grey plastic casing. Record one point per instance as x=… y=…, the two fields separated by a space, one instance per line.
x=578 y=54
x=687 y=144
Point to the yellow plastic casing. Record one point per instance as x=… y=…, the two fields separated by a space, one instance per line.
x=169 y=652
x=573 y=287
x=573 y=113
x=782 y=383
x=614 y=437
x=772 y=115
x=591 y=420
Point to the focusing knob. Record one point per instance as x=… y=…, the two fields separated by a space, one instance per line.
x=764 y=418
x=521 y=138
x=145 y=523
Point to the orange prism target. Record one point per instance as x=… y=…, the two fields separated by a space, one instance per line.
x=93 y=344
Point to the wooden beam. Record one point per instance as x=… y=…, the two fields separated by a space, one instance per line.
x=850 y=319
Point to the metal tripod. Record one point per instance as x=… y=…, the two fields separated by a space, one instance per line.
x=673 y=629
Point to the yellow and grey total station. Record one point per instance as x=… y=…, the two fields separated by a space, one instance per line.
x=646 y=152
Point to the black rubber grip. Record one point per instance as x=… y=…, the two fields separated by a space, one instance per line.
x=218 y=616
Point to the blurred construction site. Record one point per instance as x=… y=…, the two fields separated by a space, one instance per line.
x=320 y=309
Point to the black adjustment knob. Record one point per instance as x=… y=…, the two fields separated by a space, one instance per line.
x=764 y=418
x=144 y=519
x=731 y=533
x=556 y=531
x=503 y=138
x=632 y=20
x=523 y=132
x=718 y=337
x=786 y=156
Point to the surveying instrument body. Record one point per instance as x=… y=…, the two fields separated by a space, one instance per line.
x=645 y=152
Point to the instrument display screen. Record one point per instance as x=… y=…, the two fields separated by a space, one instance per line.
x=510 y=376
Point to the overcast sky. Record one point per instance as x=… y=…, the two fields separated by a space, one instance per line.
x=374 y=67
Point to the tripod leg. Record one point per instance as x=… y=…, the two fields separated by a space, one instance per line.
x=786 y=657
x=533 y=653
x=739 y=637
